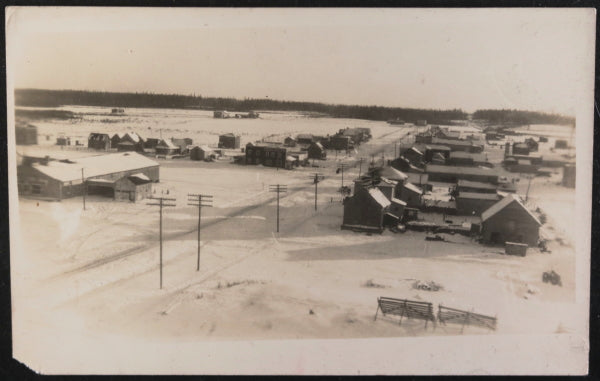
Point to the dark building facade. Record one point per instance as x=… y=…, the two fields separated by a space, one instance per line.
x=230 y=141
x=99 y=141
x=509 y=220
x=267 y=155
x=365 y=210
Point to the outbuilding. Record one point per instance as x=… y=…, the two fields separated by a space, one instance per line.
x=202 y=153
x=316 y=151
x=509 y=220
x=230 y=141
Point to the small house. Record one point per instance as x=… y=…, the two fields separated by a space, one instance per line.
x=289 y=142
x=133 y=188
x=340 y=143
x=151 y=143
x=438 y=159
x=230 y=141
x=131 y=142
x=509 y=220
x=475 y=187
x=99 y=141
x=316 y=151
x=166 y=147
x=116 y=139
x=520 y=149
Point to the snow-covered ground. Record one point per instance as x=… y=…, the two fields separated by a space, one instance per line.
x=96 y=271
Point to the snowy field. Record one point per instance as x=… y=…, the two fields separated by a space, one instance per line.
x=96 y=271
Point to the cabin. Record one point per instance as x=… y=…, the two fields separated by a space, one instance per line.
x=166 y=147
x=56 y=180
x=316 y=151
x=230 y=141
x=508 y=220
x=474 y=203
x=365 y=210
x=99 y=141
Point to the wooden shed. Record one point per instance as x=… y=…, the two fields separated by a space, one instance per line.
x=202 y=153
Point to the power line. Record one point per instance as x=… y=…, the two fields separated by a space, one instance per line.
x=199 y=200
x=278 y=188
x=161 y=203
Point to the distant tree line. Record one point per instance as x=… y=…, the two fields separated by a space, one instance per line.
x=519 y=117
x=55 y=98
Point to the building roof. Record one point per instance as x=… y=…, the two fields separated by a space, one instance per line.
x=393 y=174
x=397 y=201
x=139 y=178
x=413 y=148
x=475 y=184
x=450 y=142
x=203 y=148
x=228 y=135
x=134 y=137
x=304 y=136
x=467 y=155
x=414 y=188
x=318 y=145
x=437 y=147
x=98 y=135
x=379 y=197
x=478 y=196
x=506 y=201
x=450 y=169
x=168 y=143
x=95 y=166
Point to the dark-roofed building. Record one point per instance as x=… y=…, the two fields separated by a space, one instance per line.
x=266 y=154
x=202 y=153
x=459 y=158
x=316 y=151
x=451 y=174
x=304 y=138
x=412 y=195
x=99 y=141
x=116 y=139
x=414 y=155
x=289 y=142
x=365 y=210
x=509 y=220
x=53 y=179
x=230 y=141
x=340 y=143
x=26 y=134
x=569 y=176
x=151 y=143
x=475 y=187
x=520 y=166
x=459 y=145
x=520 y=149
x=473 y=204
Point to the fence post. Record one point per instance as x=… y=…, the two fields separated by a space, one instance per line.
x=376 y=312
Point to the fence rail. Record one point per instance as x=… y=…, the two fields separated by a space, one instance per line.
x=406 y=308
x=453 y=315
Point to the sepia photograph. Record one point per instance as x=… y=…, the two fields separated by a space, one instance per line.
x=300 y=191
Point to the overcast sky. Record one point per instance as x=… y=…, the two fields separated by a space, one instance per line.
x=469 y=59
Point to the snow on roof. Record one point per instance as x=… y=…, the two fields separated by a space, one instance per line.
x=393 y=174
x=451 y=169
x=318 y=144
x=413 y=188
x=492 y=210
x=140 y=176
x=168 y=142
x=135 y=137
x=478 y=196
x=95 y=166
x=397 y=201
x=379 y=197
x=437 y=147
x=475 y=184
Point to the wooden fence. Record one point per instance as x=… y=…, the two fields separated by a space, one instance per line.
x=406 y=308
x=453 y=315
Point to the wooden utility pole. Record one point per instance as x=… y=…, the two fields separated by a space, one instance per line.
x=341 y=168
x=360 y=167
x=528 y=185
x=161 y=203
x=199 y=200
x=317 y=177
x=277 y=188
x=84 y=186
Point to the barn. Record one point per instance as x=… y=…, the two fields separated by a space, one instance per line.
x=473 y=204
x=99 y=141
x=230 y=141
x=202 y=153
x=365 y=210
x=509 y=220
x=316 y=151
x=56 y=180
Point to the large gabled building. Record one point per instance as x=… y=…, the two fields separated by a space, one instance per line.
x=56 y=180
x=509 y=220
